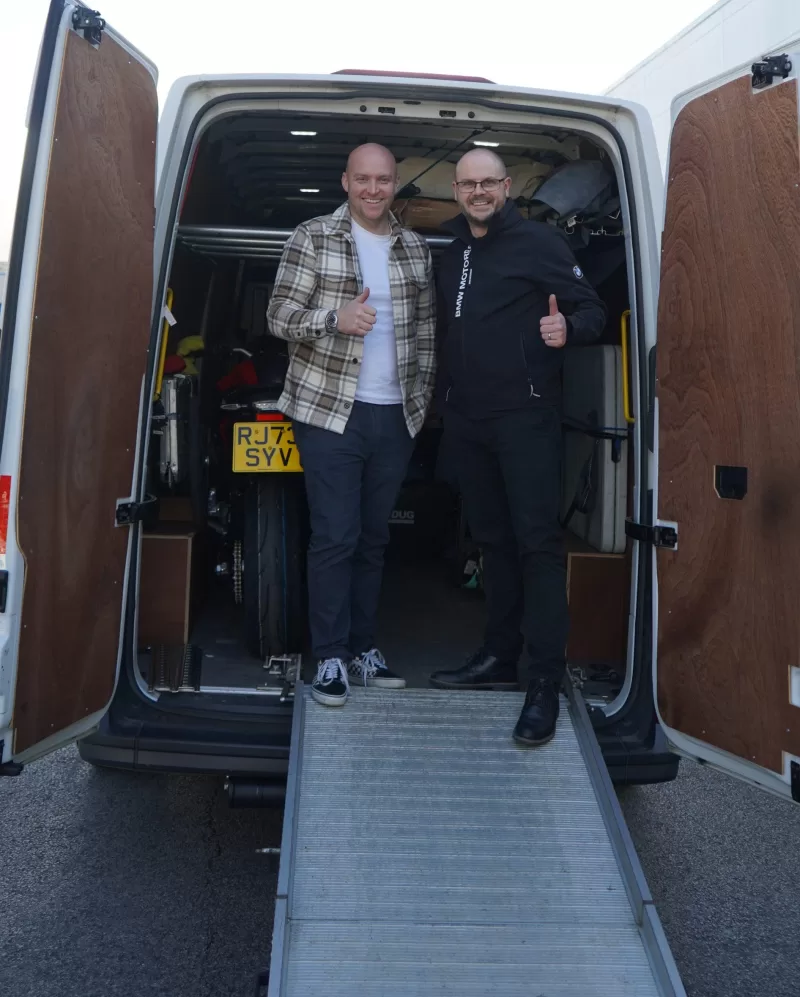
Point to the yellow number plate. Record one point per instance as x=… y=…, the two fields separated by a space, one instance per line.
x=264 y=446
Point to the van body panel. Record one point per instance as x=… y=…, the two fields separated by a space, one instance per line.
x=727 y=629
x=77 y=348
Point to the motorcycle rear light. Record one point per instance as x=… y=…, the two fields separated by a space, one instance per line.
x=269 y=417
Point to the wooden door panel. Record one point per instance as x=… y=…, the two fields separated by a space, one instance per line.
x=728 y=361
x=88 y=355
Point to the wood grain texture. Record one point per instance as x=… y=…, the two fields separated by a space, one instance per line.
x=729 y=393
x=165 y=589
x=598 y=586
x=88 y=355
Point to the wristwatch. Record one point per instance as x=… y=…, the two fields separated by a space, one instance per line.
x=331 y=321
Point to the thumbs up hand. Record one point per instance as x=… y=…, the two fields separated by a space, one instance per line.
x=356 y=318
x=554 y=326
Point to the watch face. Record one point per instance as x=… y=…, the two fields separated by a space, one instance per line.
x=331 y=320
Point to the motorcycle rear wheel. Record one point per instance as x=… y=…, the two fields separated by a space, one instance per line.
x=273 y=581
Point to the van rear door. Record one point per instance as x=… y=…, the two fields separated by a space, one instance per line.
x=76 y=329
x=728 y=417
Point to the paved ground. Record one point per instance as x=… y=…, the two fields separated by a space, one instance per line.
x=116 y=884
x=113 y=884
x=723 y=864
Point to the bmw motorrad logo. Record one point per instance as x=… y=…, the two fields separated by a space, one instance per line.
x=578 y=272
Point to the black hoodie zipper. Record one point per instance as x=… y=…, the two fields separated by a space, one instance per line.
x=532 y=393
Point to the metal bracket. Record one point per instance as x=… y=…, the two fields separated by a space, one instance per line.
x=90 y=23
x=765 y=71
x=130 y=512
x=658 y=536
x=285 y=668
x=794 y=770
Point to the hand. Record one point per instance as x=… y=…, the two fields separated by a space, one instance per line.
x=356 y=318
x=554 y=326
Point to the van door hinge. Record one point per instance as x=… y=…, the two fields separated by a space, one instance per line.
x=660 y=535
x=765 y=71
x=90 y=23
x=129 y=512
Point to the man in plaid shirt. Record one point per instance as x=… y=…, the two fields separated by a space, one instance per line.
x=354 y=296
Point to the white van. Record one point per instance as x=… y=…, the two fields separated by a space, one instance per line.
x=151 y=560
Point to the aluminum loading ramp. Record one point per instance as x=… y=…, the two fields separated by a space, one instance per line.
x=425 y=854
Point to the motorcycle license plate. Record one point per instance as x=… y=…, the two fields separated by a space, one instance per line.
x=264 y=446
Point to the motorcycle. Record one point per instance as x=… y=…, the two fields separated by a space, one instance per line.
x=259 y=484
x=240 y=465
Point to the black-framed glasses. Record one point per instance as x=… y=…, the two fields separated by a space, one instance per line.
x=489 y=184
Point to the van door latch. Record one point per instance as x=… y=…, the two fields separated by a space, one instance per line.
x=90 y=23
x=765 y=71
x=130 y=512
x=659 y=535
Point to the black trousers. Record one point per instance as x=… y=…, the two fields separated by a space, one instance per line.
x=352 y=483
x=509 y=472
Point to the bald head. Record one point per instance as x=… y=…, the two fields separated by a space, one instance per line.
x=481 y=188
x=371 y=181
x=485 y=161
x=371 y=156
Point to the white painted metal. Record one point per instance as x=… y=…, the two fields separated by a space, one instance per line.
x=727 y=38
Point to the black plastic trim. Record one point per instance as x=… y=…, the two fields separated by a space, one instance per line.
x=203 y=745
x=634 y=767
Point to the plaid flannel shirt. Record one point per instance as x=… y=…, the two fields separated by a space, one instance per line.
x=319 y=271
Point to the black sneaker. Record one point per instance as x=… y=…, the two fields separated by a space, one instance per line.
x=330 y=687
x=537 y=722
x=370 y=669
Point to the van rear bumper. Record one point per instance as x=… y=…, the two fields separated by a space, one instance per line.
x=211 y=758
x=627 y=765
x=636 y=764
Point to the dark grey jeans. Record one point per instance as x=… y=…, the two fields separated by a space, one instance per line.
x=352 y=483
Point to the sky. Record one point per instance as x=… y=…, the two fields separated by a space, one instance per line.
x=577 y=45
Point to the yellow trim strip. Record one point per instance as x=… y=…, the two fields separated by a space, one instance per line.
x=163 y=354
x=626 y=387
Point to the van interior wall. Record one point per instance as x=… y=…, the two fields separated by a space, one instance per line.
x=248 y=176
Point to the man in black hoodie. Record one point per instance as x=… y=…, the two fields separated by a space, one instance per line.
x=511 y=297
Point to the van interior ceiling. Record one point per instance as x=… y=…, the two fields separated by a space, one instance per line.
x=221 y=607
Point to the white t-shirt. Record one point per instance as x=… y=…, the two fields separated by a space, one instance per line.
x=378 y=381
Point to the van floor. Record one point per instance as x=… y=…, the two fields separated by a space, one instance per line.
x=426 y=622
